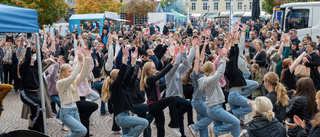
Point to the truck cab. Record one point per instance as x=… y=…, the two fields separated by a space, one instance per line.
x=302 y=16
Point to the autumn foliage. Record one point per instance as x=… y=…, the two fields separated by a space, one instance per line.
x=97 y=6
x=139 y=8
x=49 y=11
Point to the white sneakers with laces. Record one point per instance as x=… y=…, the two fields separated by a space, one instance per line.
x=192 y=130
x=176 y=132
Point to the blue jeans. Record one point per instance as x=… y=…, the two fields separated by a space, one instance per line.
x=246 y=75
x=238 y=103
x=56 y=99
x=71 y=118
x=98 y=86
x=223 y=121
x=141 y=110
x=93 y=96
x=202 y=116
x=131 y=126
x=249 y=88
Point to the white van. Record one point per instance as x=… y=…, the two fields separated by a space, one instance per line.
x=302 y=16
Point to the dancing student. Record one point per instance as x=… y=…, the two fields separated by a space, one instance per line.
x=224 y=122
x=116 y=85
x=67 y=87
x=156 y=105
x=239 y=105
x=138 y=97
x=198 y=98
x=264 y=124
x=242 y=64
x=52 y=79
x=4 y=90
x=28 y=71
x=277 y=94
x=174 y=83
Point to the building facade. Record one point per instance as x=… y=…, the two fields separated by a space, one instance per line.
x=202 y=6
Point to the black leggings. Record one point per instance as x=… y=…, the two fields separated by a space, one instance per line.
x=31 y=99
x=156 y=109
x=86 y=108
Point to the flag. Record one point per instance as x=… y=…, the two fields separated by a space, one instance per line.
x=54 y=28
x=60 y=28
x=82 y=27
x=67 y=27
x=44 y=29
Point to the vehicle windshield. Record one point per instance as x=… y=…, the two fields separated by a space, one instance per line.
x=282 y=21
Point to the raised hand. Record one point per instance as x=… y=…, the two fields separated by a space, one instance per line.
x=134 y=54
x=183 y=49
x=171 y=53
x=223 y=52
x=125 y=51
x=244 y=28
x=150 y=52
x=87 y=53
x=79 y=53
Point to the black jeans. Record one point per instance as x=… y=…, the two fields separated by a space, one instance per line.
x=7 y=70
x=156 y=109
x=86 y=108
x=183 y=106
x=31 y=99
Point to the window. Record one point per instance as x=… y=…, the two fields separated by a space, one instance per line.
x=240 y=5
x=227 y=5
x=193 y=6
x=123 y=16
x=216 y=6
x=204 y=6
x=141 y=21
x=250 y=5
x=298 y=19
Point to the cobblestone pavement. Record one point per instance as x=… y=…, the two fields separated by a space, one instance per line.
x=11 y=120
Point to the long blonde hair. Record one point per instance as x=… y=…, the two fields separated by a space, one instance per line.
x=105 y=92
x=282 y=96
x=263 y=106
x=144 y=75
x=62 y=69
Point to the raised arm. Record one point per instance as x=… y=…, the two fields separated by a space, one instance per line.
x=85 y=68
x=63 y=84
x=296 y=62
x=109 y=64
x=196 y=61
x=53 y=44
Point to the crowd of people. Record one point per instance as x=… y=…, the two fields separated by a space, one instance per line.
x=139 y=71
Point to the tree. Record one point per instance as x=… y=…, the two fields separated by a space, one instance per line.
x=268 y=6
x=97 y=6
x=179 y=6
x=49 y=11
x=139 y=8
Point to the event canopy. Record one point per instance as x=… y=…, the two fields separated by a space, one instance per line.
x=22 y=20
x=178 y=15
x=18 y=20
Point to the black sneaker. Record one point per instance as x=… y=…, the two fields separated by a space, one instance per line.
x=1 y=108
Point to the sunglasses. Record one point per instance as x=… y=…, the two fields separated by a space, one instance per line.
x=290 y=33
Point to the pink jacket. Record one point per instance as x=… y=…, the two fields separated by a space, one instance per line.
x=83 y=87
x=216 y=64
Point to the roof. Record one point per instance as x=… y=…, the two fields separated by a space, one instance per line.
x=19 y=20
x=296 y=4
x=87 y=16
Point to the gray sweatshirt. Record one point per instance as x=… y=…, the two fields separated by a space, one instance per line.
x=194 y=80
x=211 y=86
x=242 y=61
x=173 y=77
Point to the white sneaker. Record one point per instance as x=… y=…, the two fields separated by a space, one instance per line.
x=192 y=130
x=117 y=132
x=29 y=120
x=58 y=120
x=176 y=132
x=64 y=127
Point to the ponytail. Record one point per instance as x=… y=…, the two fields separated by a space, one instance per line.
x=282 y=96
x=269 y=115
x=19 y=64
x=105 y=93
